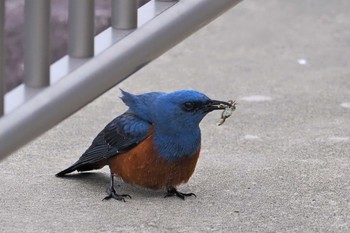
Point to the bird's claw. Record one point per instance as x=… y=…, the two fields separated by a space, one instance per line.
x=228 y=111
x=113 y=194
x=173 y=192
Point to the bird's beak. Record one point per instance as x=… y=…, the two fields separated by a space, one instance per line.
x=216 y=105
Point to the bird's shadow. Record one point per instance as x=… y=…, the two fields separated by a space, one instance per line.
x=100 y=181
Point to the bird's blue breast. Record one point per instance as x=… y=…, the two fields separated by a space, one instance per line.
x=173 y=147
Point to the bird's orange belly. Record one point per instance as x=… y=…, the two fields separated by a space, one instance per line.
x=142 y=166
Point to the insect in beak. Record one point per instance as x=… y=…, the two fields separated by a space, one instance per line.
x=228 y=111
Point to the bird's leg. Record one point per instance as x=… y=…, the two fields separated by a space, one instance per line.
x=113 y=194
x=171 y=191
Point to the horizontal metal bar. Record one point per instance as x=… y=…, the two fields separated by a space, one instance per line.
x=81 y=26
x=37 y=43
x=105 y=70
x=2 y=56
x=124 y=14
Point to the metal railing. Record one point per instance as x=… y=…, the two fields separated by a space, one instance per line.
x=93 y=65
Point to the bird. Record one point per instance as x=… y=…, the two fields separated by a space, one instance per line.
x=154 y=144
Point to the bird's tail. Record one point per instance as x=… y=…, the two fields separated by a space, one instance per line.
x=68 y=170
x=81 y=166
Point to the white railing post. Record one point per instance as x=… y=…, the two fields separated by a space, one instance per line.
x=124 y=14
x=81 y=26
x=37 y=43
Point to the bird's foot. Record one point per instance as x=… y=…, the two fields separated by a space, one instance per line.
x=173 y=192
x=113 y=194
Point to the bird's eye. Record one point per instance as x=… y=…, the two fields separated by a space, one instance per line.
x=188 y=106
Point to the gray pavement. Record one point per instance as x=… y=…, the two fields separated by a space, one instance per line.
x=279 y=164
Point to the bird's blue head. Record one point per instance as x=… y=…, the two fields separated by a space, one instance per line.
x=180 y=110
x=183 y=110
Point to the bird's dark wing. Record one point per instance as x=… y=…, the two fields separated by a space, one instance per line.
x=121 y=134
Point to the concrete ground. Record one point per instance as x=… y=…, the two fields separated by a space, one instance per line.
x=279 y=164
